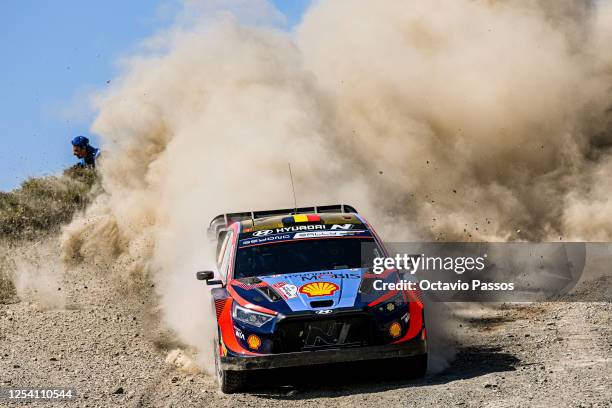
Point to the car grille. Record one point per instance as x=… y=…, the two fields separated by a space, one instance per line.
x=317 y=333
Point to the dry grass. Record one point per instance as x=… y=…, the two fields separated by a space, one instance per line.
x=39 y=207
x=7 y=290
x=42 y=205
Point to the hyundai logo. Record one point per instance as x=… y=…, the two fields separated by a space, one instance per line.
x=324 y=312
x=262 y=233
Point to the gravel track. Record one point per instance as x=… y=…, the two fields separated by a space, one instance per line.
x=109 y=348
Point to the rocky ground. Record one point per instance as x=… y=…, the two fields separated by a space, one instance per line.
x=106 y=344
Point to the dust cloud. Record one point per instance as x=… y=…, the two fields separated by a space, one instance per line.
x=445 y=119
x=36 y=273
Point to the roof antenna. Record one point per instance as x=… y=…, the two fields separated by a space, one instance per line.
x=292 y=188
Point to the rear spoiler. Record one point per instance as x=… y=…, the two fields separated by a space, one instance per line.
x=225 y=220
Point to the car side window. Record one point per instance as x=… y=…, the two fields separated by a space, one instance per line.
x=227 y=253
x=223 y=240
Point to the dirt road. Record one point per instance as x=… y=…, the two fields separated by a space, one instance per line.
x=106 y=346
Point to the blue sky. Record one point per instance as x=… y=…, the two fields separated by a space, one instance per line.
x=54 y=54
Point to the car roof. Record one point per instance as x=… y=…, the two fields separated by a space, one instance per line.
x=277 y=221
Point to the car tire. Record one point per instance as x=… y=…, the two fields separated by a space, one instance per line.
x=229 y=381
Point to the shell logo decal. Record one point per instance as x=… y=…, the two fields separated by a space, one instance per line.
x=395 y=329
x=254 y=342
x=314 y=289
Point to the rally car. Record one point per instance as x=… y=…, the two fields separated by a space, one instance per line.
x=295 y=287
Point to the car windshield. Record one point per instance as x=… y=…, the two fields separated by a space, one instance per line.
x=307 y=255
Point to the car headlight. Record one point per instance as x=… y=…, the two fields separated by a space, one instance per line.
x=251 y=317
x=392 y=304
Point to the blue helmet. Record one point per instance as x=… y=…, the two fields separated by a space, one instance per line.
x=80 y=141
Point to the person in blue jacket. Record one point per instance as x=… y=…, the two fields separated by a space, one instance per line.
x=86 y=153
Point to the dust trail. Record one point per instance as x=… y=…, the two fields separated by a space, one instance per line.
x=206 y=128
x=446 y=119
x=441 y=324
x=485 y=117
x=182 y=362
x=36 y=273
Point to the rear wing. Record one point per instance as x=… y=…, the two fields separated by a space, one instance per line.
x=225 y=220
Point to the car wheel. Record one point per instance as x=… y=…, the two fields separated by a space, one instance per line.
x=229 y=381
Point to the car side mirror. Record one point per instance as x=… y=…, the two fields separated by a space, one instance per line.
x=214 y=282
x=205 y=275
x=208 y=277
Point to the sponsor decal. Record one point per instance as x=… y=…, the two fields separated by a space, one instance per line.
x=324 y=312
x=320 y=234
x=315 y=289
x=286 y=290
x=310 y=227
x=327 y=333
x=263 y=240
x=301 y=232
x=395 y=329
x=317 y=227
x=318 y=276
x=300 y=228
x=239 y=333
x=254 y=342
x=342 y=226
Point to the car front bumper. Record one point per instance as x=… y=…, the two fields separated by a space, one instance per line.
x=411 y=348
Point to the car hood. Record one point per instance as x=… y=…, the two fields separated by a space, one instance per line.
x=304 y=291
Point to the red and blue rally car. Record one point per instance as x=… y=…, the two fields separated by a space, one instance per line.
x=295 y=288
